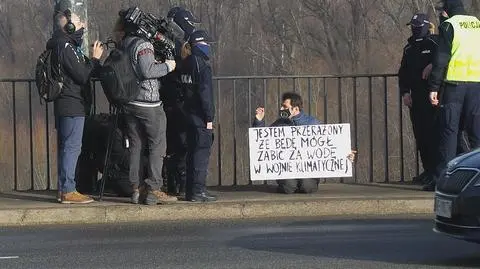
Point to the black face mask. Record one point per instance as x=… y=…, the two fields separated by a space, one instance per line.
x=77 y=36
x=419 y=32
x=284 y=113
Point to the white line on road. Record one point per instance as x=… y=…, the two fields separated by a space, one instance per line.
x=9 y=257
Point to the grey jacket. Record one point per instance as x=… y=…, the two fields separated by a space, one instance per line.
x=148 y=71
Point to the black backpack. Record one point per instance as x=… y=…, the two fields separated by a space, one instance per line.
x=96 y=133
x=118 y=77
x=48 y=76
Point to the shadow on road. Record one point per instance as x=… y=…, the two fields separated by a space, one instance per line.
x=409 y=242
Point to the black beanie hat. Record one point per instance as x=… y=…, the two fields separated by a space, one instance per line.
x=453 y=6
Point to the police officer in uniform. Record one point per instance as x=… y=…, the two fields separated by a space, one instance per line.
x=172 y=96
x=462 y=139
x=196 y=77
x=413 y=83
x=457 y=66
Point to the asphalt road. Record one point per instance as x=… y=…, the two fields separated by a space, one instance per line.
x=288 y=243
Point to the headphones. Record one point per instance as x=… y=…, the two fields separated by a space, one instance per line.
x=69 y=27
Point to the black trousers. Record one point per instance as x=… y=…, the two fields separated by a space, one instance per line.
x=463 y=146
x=200 y=140
x=459 y=102
x=146 y=127
x=422 y=115
x=176 y=161
x=304 y=185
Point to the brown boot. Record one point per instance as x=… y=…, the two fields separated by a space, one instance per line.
x=159 y=197
x=75 y=197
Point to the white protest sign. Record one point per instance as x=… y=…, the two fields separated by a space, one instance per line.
x=309 y=151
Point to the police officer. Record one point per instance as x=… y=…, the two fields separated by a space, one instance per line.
x=196 y=77
x=184 y=19
x=172 y=96
x=413 y=73
x=462 y=140
x=457 y=65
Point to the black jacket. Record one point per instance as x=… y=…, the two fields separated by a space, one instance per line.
x=417 y=54
x=171 y=91
x=196 y=78
x=172 y=96
x=445 y=39
x=76 y=97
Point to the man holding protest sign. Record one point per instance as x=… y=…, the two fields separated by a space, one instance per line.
x=291 y=114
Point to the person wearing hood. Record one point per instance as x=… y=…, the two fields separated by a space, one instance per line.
x=456 y=66
x=291 y=114
x=196 y=78
x=412 y=77
x=173 y=100
x=71 y=107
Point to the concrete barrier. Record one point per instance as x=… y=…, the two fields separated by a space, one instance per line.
x=113 y=213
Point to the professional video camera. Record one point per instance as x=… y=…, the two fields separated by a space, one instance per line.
x=149 y=27
x=108 y=44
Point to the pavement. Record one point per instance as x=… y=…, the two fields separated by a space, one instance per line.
x=393 y=242
x=240 y=202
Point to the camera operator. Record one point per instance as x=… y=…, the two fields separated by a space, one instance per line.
x=196 y=77
x=173 y=100
x=291 y=113
x=144 y=117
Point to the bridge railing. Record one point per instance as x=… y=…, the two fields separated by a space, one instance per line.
x=380 y=126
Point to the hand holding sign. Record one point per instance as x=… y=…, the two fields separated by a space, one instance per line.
x=351 y=156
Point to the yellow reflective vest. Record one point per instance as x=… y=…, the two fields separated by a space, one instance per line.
x=464 y=64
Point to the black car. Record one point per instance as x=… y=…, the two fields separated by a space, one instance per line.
x=457 y=198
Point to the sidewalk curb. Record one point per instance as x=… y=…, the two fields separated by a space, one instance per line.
x=99 y=214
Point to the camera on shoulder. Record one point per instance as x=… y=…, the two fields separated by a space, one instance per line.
x=161 y=32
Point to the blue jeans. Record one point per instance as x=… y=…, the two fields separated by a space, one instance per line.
x=69 y=144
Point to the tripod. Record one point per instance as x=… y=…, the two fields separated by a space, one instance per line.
x=106 y=165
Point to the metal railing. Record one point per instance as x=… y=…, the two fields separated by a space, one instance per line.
x=381 y=133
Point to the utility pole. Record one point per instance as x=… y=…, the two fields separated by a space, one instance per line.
x=282 y=57
x=79 y=8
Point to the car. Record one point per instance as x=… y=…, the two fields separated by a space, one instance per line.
x=457 y=198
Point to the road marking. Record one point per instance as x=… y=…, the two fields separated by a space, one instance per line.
x=9 y=257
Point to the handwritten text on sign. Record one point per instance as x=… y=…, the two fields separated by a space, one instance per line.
x=310 y=151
